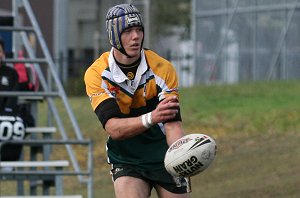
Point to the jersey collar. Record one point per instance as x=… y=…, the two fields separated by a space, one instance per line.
x=119 y=76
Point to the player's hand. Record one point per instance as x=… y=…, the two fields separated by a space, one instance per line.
x=165 y=110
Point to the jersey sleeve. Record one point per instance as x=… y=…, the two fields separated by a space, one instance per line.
x=168 y=82
x=108 y=109
x=102 y=101
x=96 y=87
x=165 y=78
x=171 y=89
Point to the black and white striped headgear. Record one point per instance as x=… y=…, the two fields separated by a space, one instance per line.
x=119 y=18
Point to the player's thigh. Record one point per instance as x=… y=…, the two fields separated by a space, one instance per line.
x=163 y=193
x=131 y=187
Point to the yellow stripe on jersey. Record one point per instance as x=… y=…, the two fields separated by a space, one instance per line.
x=165 y=74
x=96 y=87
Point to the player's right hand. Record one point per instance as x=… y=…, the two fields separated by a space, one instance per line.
x=165 y=110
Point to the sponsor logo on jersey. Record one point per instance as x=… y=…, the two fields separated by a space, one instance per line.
x=114 y=91
x=94 y=95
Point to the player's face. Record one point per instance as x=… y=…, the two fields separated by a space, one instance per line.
x=132 y=41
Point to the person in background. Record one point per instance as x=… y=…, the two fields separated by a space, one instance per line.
x=12 y=120
x=134 y=93
x=8 y=82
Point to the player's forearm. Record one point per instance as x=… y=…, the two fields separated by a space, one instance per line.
x=123 y=128
x=174 y=131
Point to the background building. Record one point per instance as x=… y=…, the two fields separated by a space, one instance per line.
x=230 y=41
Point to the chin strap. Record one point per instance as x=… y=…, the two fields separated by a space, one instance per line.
x=122 y=50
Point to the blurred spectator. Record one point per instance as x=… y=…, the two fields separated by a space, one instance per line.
x=12 y=124
x=8 y=82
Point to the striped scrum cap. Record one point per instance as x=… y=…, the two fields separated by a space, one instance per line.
x=119 y=18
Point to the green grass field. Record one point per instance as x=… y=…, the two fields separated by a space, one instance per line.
x=257 y=130
x=256 y=127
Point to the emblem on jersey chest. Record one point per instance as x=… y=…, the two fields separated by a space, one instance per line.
x=130 y=75
x=114 y=91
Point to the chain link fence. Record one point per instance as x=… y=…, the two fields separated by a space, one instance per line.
x=241 y=40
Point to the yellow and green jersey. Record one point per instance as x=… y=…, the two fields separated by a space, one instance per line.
x=155 y=79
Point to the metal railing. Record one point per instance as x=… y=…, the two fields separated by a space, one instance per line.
x=51 y=86
x=19 y=174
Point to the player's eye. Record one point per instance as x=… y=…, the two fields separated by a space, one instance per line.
x=126 y=31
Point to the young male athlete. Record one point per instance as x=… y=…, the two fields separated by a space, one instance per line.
x=134 y=93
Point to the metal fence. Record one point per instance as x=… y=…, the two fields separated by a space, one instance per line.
x=242 y=40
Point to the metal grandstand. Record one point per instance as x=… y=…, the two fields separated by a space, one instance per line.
x=50 y=89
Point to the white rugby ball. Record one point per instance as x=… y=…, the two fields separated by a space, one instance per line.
x=190 y=155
